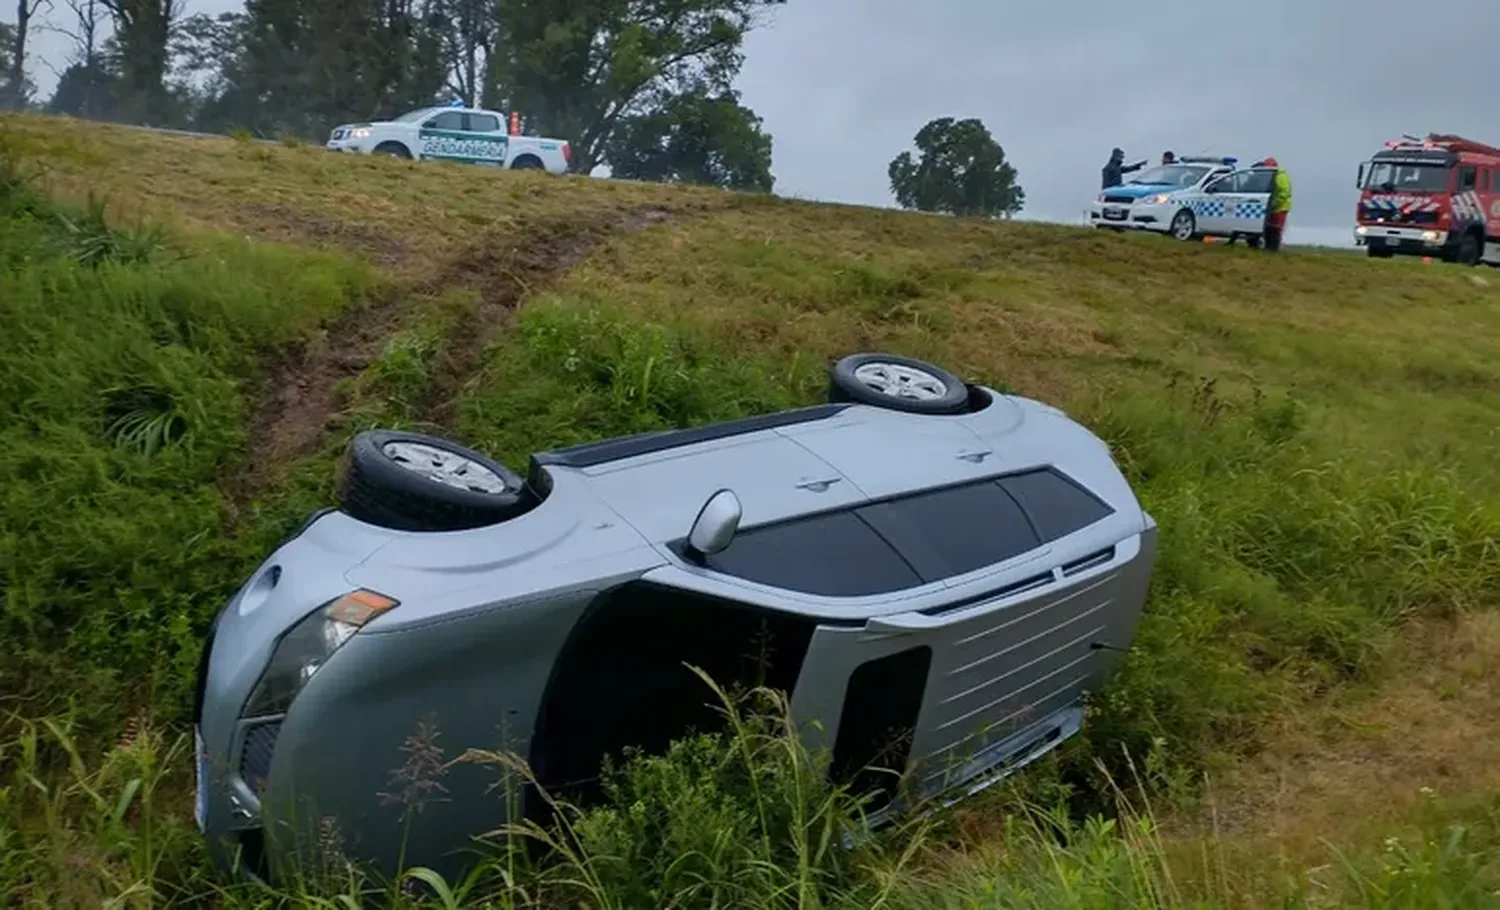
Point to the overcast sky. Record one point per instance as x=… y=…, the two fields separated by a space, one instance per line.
x=843 y=85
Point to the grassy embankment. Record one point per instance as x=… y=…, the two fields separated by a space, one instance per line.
x=1316 y=434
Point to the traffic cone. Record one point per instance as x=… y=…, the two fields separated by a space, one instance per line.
x=1427 y=260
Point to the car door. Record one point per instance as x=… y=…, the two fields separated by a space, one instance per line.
x=442 y=135
x=1214 y=207
x=487 y=138
x=1251 y=202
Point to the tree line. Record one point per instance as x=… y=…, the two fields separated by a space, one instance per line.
x=644 y=86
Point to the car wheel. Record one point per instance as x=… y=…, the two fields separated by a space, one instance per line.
x=392 y=150
x=413 y=482
x=1184 y=225
x=1469 y=250
x=897 y=383
x=527 y=163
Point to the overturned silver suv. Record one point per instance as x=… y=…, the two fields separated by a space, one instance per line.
x=918 y=555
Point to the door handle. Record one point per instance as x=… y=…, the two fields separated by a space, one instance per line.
x=818 y=486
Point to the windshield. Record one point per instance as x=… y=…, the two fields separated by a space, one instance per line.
x=417 y=114
x=1172 y=175
x=1405 y=178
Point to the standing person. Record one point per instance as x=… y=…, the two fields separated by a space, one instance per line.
x=1115 y=171
x=1168 y=158
x=1279 y=206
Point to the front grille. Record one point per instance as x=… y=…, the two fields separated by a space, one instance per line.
x=1120 y=199
x=1387 y=216
x=255 y=756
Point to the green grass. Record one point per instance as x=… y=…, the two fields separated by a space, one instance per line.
x=1315 y=434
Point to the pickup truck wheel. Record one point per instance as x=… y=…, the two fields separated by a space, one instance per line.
x=392 y=150
x=1184 y=225
x=897 y=383
x=527 y=163
x=412 y=482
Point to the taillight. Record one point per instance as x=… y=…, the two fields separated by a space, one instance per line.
x=568 y=154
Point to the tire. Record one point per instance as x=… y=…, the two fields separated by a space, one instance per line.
x=527 y=163
x=1184 y=225
x=1379 y=252
x=392 y=150
x=896 y=383
x=1469 y=250
x=383 y=485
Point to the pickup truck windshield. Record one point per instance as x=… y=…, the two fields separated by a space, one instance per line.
x=412 y=116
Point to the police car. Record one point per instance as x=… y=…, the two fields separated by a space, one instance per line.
x=1147 y=201
x=453 y=133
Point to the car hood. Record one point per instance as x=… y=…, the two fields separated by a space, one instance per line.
x=1137 y=190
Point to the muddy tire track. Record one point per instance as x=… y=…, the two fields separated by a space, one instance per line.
x=297 y=399
x=504 y=274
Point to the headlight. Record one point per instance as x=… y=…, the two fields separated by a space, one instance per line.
x=360 y=133
x=305 y=647
x=1430 y=236
x=1361 y=230
x=1156 y=199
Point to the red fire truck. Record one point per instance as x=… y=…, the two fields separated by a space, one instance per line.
x=1438 y=196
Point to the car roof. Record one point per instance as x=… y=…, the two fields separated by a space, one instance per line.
x=811 y=460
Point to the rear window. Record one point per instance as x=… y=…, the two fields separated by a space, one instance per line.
x=484 y=123
x=913 y=540
x=1057 y=506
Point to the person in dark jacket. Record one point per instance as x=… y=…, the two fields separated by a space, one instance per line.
x=1168 y=158
x=1115 y=171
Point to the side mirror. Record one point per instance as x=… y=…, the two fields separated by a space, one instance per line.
x=716 y=523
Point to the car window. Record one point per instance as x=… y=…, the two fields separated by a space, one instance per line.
x=484 y=123
x=1227 y=184
x=956 y=530
x=912 y=540
x=833 y=555
x=1257 y=182
x=1468 y=178
x=448 y=120
x=1055 y=504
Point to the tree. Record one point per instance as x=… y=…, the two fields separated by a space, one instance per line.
x=86 y=88
x=694 y=138
x=143 y=34
x=578 y=68
x=961 y=171
x=465 y=30
x=15 y=90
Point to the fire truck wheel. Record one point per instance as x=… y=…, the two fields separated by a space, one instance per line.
x=1468 y=250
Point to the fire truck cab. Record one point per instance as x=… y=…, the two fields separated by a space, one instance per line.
x=1438 y=196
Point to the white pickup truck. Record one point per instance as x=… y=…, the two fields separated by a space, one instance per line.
x=471 y=135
